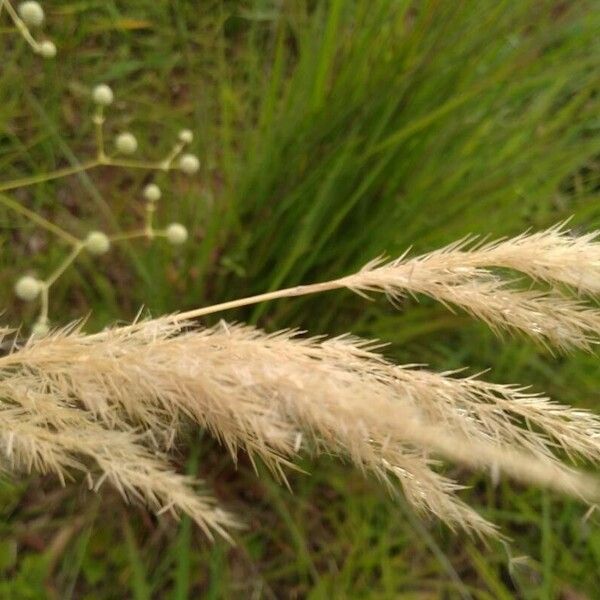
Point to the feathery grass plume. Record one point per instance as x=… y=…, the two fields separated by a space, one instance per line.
x=156 y=379
x=333 y=388
x=461 y=275
x=494 y=410
x=475 y=407
x=556 y=256
x=42 y=432
x=549 y=317
x=275 y=393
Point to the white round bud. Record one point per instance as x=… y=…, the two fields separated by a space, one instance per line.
x=40 y=328
x=28 y=288
x=126 y=143
x=152 y=192
x=97 y=242
x=32 y=13
x=186 y=136
x=48 y=49
x=176 y=233
x=103 y=95
x=189 y=164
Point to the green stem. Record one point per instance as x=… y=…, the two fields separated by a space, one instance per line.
x=43 y=177
x=98 y=120
x=149 y=218
x=32 y=216
x=134 y=164
x=104 y=161
x=43 y=318
x=64 y=265
x=175 y=152
x=20 y=25
x=128 y=235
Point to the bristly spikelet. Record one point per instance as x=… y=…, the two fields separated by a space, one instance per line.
x=465 y=275
x=556 y=256
x=41 y=432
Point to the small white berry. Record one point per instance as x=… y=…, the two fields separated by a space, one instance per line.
x=48 y=49
x=152 y=192
x=189 y=164
x=32 y=13
x=40 y=328
x=97 y=242
x=103 y=95
x=176 y=233
x=28 y=288
x=126 y=143
x=186 y=136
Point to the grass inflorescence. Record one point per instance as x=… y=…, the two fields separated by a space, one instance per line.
x=328 y=134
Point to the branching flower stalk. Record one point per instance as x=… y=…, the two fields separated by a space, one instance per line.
x=187 y=163
x=279 y=395
x=29 y=288
x=29 y=14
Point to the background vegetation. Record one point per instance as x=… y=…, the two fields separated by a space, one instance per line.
x=330 y=132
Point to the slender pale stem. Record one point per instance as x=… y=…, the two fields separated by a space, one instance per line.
x=148 y=219
x=134 y=164
x=299 y=290
x=33 y=216
x=175 y=152
x=20 y=25
x=128 y=235
x=43 y=318
x=1 y=6
x=98 y=120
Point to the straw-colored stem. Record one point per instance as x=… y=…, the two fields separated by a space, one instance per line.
x=299 y=290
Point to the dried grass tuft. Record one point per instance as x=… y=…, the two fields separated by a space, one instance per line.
x=111 y=405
